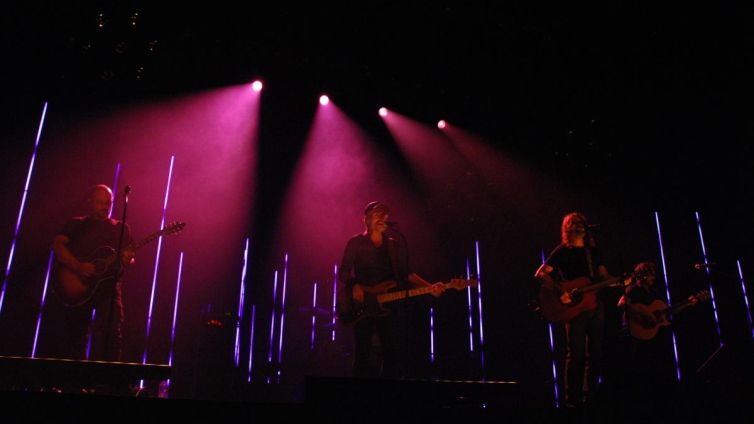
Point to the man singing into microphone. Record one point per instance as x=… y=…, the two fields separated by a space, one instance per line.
x=375 y=256
x=80 y=237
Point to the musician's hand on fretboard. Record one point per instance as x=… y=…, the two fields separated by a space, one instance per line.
x=437 y=289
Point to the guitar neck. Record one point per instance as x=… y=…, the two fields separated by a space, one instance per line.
x=402 y=294
x=150 y=238
x=678 y=308
x=597 y=286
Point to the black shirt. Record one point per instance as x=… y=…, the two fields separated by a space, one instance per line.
x=86 y=235
x=370 y=265
x=570 y=262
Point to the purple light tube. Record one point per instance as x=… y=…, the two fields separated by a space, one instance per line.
x=667 y=294
x=282 y=312
x=241 y=295
x=554 y=366
x=251 y=342
x=175 y=309
x=471 y=313
x=431 y=334
x=709 y=283
x=115 y=189
x=334 y=300
x=479 y=300
x=314 y=316
x=21 y=208
x=746 y=297
x=89 y=336
x=42 y=305
x=552 y=351
x=272 y=322
x=157 y=263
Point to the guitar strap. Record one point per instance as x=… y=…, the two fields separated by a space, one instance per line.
x=393 y=254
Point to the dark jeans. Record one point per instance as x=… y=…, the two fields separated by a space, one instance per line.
x=653 y=362
x=585 y=335
x=365 y=363
x=106 y=329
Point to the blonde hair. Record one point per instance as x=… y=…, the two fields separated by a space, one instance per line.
x=564 y=238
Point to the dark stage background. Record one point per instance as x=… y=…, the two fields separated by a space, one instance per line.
x=618 y=111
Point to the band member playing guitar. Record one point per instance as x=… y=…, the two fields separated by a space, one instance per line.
x=646 y=317
x=79 y=237
x=577 y=259
x=377 y=257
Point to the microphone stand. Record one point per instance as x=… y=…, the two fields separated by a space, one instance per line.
x=116 y=275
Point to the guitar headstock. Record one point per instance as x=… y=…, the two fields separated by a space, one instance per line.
x=173 y=228
x=462 y=283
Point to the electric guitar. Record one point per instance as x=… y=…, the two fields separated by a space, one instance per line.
x=376 y=296
x=583 y=297
x=74 y=290
x=645 y=320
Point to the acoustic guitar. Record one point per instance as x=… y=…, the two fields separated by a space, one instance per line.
x=583 y=297
x=74 y=290
x=646 y=320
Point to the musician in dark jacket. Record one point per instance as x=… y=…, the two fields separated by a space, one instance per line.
x=102 y=314
x=652 y=362
x=375 y=256
x=577 y=256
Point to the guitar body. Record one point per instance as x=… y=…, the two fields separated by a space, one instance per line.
x=554 y=310
x=646 y=320
x=370 y=307
x=75 y=290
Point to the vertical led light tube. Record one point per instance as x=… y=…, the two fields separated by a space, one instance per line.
x=157 y=264
x=175 y=309
x=471 y=312
x=552 y=351
x=746 y=297
x=251 y=342
x=282 y=313
x=42 y=305
x=21 y=209
x=431 y=334
x=667 y=293
x=314 y=316
x=479 y=300
x=272 y=320
x=115 y=189
x=709 y=281
x=334 y=299
x=241 y=294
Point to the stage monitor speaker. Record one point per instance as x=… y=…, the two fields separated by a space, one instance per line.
x=214 y=373
x=23 y=372
x=380 y=395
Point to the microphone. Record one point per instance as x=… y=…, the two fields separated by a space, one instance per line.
x=127 y=189
x=704 y=265
x=391 y=223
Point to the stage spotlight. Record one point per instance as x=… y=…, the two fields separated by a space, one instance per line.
x=256 y=86
x=441 y=124
x=324 y=100
x=383 y=112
